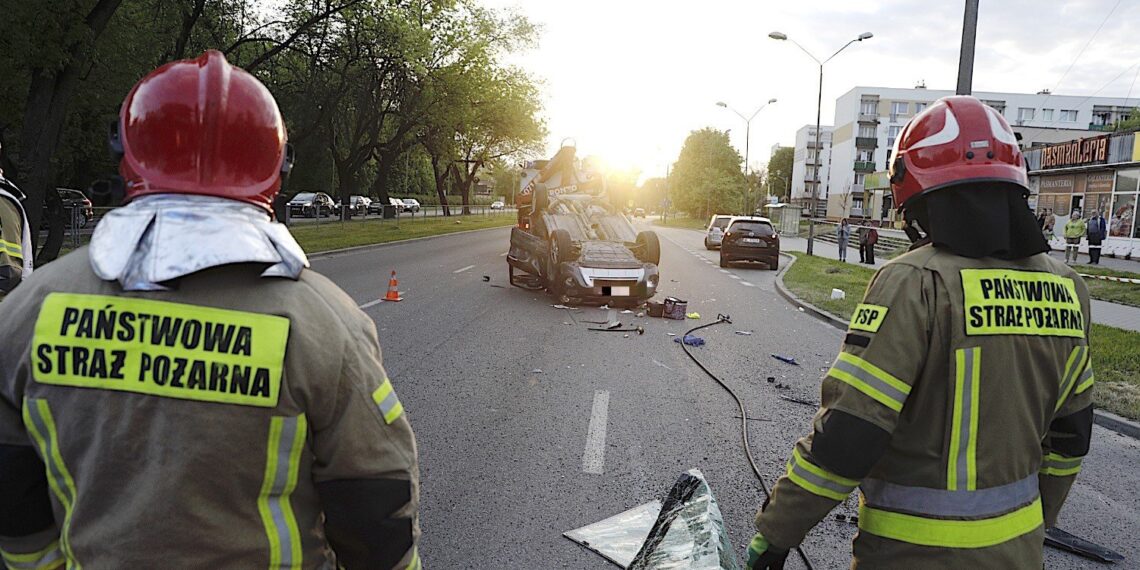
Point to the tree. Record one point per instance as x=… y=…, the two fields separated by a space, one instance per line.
x=780 y=172
x=706 y=177
x=1130 y=124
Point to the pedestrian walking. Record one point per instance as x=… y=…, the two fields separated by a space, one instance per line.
x=15 y=238
x=1097 y=230
x=843 y=235
x=1074 y=231
x=960 y=404
x=1041 y=219
x=200 y=398
x=872 y=239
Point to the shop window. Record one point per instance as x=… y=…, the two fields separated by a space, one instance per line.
x=1123 y=214
x=1045 y=202
x=1127 y=180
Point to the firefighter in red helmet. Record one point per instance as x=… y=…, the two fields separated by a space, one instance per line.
x=168 y=396
x=960 y=403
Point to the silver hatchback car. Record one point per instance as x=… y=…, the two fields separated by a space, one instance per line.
x=715 y=232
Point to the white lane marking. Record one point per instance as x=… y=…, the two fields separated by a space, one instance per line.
x=734 y=276
x=370 y=304
x=594 y=457
x=462 y=269
x=747 y=284
x=725 y=271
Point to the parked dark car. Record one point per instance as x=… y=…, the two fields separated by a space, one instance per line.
x=357 y=206
x=310 y=205
x=750 y=239
x=73 y=201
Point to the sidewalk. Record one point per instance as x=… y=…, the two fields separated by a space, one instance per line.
x=1103 y=312
x=1105 y=261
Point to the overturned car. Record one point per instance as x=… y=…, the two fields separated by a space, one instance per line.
x=572 y=242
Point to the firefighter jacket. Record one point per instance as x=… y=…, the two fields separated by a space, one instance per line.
x=15 y=242
x=959 y=405
x=230 y=421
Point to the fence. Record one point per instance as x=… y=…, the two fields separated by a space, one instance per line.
x=80 y=221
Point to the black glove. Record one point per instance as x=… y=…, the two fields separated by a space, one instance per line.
x=763 y=556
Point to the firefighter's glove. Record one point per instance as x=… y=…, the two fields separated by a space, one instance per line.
x=764 y=556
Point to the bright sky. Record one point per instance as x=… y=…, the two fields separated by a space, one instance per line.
x=628 y=79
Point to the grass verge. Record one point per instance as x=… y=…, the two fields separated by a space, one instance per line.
x=1111 y=291
x=336 y=235
x=812 y=278
x=1116 y=352
x=687 y=223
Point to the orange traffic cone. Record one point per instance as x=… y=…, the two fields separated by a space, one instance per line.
x=393 y=294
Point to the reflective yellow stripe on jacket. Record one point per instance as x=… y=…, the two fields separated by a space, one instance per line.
x=48 y=558
x=11 y=248
x=283 y=458
x=871 y=380
x=961 y=469
x=818 y=480
x=41 y=426
x=951 y=533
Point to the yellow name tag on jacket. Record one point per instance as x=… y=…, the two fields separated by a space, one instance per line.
x=1006 y=301
x=159 y=348
x=868 y=317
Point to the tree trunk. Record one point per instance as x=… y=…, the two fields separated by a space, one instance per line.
x=44 y=116
x=440 y=175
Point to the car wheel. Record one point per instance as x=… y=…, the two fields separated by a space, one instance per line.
x=708 y=245
x=650 y=247
x=723 y=260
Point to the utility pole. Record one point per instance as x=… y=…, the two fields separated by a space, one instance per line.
x=966 y=59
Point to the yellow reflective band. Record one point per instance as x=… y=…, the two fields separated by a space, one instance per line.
x=385 y=399
x=49 y=558
x=951 y=533
x=414 y=564
x=1005 y=301
x=868 y=317
x=1078 y=359
x=817 y=480
x=1058 y=465
x=11 y=248
x=961 y=467
x=158 y=348
x=871 y=380
x=282 y=466
x=41 y=426
x=1086 y=381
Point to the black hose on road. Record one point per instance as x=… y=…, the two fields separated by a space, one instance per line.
x=743 y=417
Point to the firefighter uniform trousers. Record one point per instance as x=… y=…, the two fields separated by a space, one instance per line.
x=200 y=427
x=978 y=374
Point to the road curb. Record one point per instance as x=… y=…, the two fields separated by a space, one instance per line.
x=1123 y=426
x=804 y=305
x=357 y=248
x=1107 y=420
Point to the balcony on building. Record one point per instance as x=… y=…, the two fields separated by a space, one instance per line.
x=871 y=118
x=864 y=166
x=866 y=142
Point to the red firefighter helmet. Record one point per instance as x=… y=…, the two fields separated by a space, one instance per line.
x=202 y=126
x=957 y=140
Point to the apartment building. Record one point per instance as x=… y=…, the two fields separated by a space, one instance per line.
x=868 y=119
x=810 y=165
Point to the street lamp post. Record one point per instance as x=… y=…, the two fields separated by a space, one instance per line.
x=818 y=109
x=787 y=185
x=747 y=140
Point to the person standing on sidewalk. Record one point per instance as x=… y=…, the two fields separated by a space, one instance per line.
x=1074 y=231
x=200 y=399
x=843 y=235
x=861 y=235
x=872 y=239
x=1097 y=229
x=960 y=404
x=1050 y=224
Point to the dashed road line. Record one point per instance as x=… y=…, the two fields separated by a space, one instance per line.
x=747 y=284
x=370 y=304
x=462 y=269
x=734 y=276
x=594 y=458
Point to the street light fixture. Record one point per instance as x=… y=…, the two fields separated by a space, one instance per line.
x=818 y=108
x=747 y=140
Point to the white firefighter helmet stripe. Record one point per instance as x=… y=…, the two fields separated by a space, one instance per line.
x=949 y=133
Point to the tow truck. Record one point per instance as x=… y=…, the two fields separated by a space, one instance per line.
x=572 y=242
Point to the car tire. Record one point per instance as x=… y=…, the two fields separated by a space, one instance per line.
x=774 y=265
x=723 y=260
x=650 y=247
x=561 y=246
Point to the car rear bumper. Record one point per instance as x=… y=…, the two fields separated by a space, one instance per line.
x=768 y=255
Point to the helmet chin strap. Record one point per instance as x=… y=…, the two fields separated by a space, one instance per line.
x=913 y=227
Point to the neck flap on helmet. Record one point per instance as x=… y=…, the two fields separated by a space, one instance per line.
x=987 y=219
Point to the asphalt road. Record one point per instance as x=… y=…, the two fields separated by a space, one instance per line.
x=505 y=450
